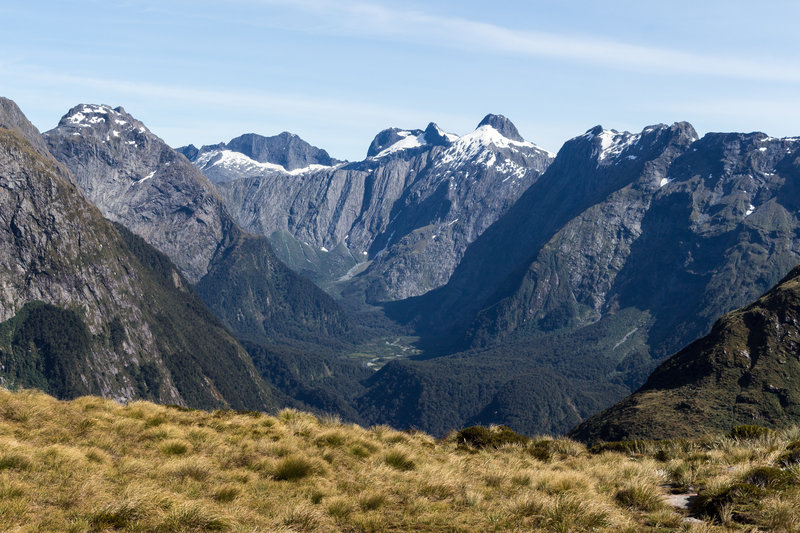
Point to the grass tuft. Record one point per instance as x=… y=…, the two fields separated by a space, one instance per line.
x=399 y=460
x=292 y=468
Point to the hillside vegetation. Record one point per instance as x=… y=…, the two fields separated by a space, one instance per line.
x=745 y=371
x=94 y=465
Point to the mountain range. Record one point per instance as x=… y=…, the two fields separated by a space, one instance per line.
x=401 y=218
x=540 y=288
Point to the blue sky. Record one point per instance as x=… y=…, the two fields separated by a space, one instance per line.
x=337 y=72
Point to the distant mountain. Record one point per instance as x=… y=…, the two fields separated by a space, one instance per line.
x=250 y=154
x=89 y=308
x=627 y=248
x=391 y=226
x=746 y=371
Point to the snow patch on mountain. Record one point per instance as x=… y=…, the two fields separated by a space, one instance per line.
x=240 y=163
x=611 y=144
x=468 y=146
x=407 y=142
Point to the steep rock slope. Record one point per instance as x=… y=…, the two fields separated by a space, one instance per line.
x=137 y=180
x=87 y=308
x=407 y=212
x=625 y=250
x=745 y=371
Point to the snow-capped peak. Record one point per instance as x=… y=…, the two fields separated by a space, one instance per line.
x=102 y=121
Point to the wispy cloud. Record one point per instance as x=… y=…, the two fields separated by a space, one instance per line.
x=218 y=98
x=415 y=26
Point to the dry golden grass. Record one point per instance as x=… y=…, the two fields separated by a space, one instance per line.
x=94 y=465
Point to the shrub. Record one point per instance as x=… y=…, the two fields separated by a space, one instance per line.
x=748 y=432
x=768 y=477
x=739 y=500
x=482 y=437
x=629 y=447
x=541 y=450
x=791 y=456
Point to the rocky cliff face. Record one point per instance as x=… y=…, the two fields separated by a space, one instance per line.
x=407 y=212
x=85 y=308
x=137 y=180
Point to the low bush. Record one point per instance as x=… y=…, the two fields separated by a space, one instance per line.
x=493 y=437
x=748 y=432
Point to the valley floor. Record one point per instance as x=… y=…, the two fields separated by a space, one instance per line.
x=93 y=465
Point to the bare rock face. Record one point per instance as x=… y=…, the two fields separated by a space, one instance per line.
x=407 y=212
x=140 y=182
x=137 y=180
x=84 y=312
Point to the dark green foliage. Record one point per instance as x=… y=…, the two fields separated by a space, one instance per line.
x=514 y=385
x=197 y=345
x=748 y=432
x=482 y=437
x=148 y=380
x=116 y=333
x=314 y=379
x=48 y=347
x=262 y=301
x=746 y=369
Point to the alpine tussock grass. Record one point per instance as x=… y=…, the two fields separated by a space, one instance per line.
x=94 y=465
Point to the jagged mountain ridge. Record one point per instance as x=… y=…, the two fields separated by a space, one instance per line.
x=407 y=212
x=628 y=247
x=745 y=371
x=86 y=308
x=139 y=181
x=283 y=152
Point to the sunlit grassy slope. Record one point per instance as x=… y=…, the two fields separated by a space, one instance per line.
x=93 y=465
